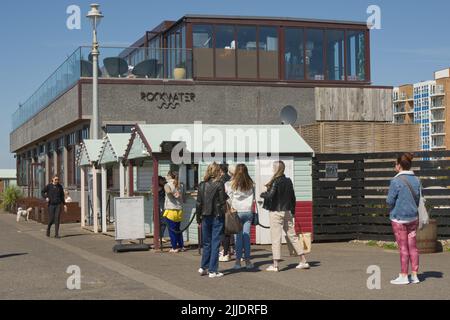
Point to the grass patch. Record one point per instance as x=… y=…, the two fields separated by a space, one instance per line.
x=372 y=243
x=389 y=246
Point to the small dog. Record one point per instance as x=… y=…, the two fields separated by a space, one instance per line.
x=23 y=213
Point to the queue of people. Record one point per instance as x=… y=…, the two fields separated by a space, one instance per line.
x=239 y=191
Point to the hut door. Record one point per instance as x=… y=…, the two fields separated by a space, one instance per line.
x=263 y=174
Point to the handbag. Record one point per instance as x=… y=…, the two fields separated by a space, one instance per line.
x=255 y=219
x=424 y=218
x=233 y=224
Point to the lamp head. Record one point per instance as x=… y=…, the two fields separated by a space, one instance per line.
x=95 y=15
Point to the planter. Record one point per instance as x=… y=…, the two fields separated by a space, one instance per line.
x=179 y=73
x=427 y=238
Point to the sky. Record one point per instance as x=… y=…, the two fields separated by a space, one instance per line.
x=411 y=44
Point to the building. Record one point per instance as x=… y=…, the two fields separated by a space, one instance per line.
x=7 y=178
x=215 y=69
x=425 y=103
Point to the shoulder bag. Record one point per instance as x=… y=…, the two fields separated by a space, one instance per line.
x=233 y=224
x=424 y=218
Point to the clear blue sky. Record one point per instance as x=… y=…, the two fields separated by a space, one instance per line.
x=412 y=44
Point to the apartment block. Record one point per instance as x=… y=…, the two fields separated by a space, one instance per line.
x=426 y=103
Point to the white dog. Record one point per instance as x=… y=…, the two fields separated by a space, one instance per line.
x=23 y=213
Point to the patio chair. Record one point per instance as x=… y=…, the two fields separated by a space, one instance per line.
x=116 y=67
x=146 y=69
x=87 y=69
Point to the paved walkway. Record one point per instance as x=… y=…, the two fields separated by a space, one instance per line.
x=33 y=266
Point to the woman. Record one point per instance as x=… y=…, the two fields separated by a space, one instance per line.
x=403 y=200
x=225 y=255
x=161 y=200
x=210 y=210
x=280 y=201
x=240 y=190
x=174 y=211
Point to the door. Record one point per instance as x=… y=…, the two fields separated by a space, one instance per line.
x=264 y=173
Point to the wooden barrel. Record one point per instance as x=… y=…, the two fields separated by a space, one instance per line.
x=427 y=238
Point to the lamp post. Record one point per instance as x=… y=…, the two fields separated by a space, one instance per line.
x=95 y=16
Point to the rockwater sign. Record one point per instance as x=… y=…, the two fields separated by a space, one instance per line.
x=168 y=100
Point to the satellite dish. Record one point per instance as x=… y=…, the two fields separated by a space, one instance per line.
x=288 y=115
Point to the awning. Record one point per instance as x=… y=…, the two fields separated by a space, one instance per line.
x=221 y=139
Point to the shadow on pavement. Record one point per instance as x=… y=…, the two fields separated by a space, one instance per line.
x=12 y=255
x=431 y=274
x=74 y=235
x=312 y=264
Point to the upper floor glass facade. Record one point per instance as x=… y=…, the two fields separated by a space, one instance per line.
x=223 y=49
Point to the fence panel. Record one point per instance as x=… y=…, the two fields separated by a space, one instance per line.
x=350 y=190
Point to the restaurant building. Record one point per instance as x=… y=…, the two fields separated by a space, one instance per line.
x=216 y=69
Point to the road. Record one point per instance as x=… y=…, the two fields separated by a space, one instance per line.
x=33 y=266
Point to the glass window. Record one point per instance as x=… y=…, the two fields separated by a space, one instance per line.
x=202 y=37
x=294 y=54
x=335 y=54
x=268 y=53
x=225 y=52
x=247 y=52
x=356 y=56
x=314 y=54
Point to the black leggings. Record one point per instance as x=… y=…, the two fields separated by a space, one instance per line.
x=54 y=213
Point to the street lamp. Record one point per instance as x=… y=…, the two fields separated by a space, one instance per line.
x=95 y=16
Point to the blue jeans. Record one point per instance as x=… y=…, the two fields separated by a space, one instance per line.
x=176 y=238
x=212 y=230
x=243 y=238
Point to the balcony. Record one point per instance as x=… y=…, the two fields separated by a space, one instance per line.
x=437 y=116
x=439 y=91
x=114 y=62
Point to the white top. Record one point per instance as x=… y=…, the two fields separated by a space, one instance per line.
x=241 y=201
x=172 y=203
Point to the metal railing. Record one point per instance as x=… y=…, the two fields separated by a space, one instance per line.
x=114 y=62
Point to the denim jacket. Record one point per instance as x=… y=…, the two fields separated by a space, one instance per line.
x=403 y=206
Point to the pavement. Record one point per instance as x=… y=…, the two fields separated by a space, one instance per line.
x=34 y=267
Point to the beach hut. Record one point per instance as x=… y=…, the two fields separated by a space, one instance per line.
x=87 y=160
x=111 y=159
x=190 y=148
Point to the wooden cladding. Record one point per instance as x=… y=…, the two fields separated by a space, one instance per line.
x=360 y=137
x=350 y=203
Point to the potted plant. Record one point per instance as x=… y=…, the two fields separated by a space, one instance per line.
x=180 y=71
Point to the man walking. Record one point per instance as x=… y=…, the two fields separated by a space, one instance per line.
x=54 y=195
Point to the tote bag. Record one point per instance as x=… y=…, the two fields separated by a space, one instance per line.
x=233 y=224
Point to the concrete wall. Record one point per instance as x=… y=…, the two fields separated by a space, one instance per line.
x=133 y=102
x=212 y=104
x=59 y=114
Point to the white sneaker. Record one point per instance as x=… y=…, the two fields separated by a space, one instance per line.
x=225 y=259
x=272 y=269
x=400 y=280
x=415 y=279
x=216 y=275
x=249 y=265
x=303 y=266
x=202 y=272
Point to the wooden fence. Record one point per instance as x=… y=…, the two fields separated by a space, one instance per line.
x=350 y=190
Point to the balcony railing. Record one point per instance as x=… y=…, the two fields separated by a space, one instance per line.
x=439 y=90
x=114 y=62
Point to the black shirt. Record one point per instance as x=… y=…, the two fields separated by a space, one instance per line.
x=55 y=193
